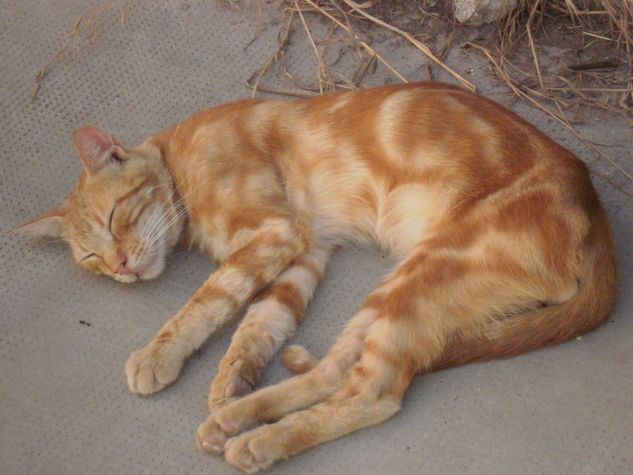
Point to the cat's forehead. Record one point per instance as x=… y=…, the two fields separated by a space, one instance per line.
x=95 y=195
x=92 y=198
x=113 y=179
x=88 y=210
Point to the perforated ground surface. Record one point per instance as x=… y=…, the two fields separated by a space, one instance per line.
x=66 y=334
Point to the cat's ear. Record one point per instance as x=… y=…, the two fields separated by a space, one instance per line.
x=95 y=147
x=51 y=224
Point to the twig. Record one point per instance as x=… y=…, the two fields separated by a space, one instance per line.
x=418 y=44
x=361 y=42
x=559 y=117
x=577 y=12
x=600 y=37
x=83 y=22
x=362 y=70
x=587 y=89
x=283 y=44
x=528 y=28
x=321 y=68
x=302 y=93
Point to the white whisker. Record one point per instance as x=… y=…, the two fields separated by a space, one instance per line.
x=161 y=224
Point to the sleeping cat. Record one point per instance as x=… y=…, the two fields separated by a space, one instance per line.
x=501 y=241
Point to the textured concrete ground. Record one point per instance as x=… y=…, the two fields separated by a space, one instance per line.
x=64 y=404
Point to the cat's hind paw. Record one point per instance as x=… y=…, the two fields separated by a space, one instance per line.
x=210 y=437
x=151 y=369
x=250 y=452
x=213 y=433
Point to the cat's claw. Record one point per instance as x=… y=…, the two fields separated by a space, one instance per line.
x=151 y=369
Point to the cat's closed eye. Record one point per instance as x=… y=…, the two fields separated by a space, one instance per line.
x=89 y=256
x=110 y=219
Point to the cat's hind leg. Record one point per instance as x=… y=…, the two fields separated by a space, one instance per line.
x=269 y=322
x=271 y=403
x=434 y=295
x=372 y=392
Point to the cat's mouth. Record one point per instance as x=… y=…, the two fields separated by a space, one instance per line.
x=146 y=271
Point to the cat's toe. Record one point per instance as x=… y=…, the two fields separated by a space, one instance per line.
x=233 y=381
x=210 y=437
x=213 y=434
x=238 y=387
x=149 y=370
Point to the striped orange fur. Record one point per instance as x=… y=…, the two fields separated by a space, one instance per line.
x=502 y=244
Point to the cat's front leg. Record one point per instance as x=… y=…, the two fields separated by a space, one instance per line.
x=267 y=324
x=246 y=271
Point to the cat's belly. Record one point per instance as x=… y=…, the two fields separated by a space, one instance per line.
x=407 y=214
x=397 y=220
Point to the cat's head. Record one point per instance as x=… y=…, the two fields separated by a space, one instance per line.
x=122 y=218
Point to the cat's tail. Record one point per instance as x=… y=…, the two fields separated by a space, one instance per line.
x=298 y=360
x=520 y=333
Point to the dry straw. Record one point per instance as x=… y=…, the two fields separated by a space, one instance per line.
x=596 y=25
x=84 y=28
x=601 y=27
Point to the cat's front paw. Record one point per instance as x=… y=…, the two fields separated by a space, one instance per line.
x=234 y=379
x=151 y=369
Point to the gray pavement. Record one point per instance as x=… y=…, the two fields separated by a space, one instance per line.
x=64 y=403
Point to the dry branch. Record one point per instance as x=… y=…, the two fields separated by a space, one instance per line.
x=418 y=44
x=85 y=27
x=355 y=36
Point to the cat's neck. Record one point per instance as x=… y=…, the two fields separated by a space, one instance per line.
x=217 y=145
x=221 y=164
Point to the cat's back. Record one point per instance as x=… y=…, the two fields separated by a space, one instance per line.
x=422 y=124
x=427 y=133
x=374 y=159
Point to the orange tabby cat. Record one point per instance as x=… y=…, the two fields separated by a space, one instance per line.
x=502 y=244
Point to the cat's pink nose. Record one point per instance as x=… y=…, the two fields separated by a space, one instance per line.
x=124 y=269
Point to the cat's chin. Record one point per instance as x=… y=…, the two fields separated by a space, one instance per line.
x=152 y=272
x=124 y=278
x=153 y=269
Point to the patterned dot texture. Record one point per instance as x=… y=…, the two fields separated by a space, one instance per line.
x=65 y=334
